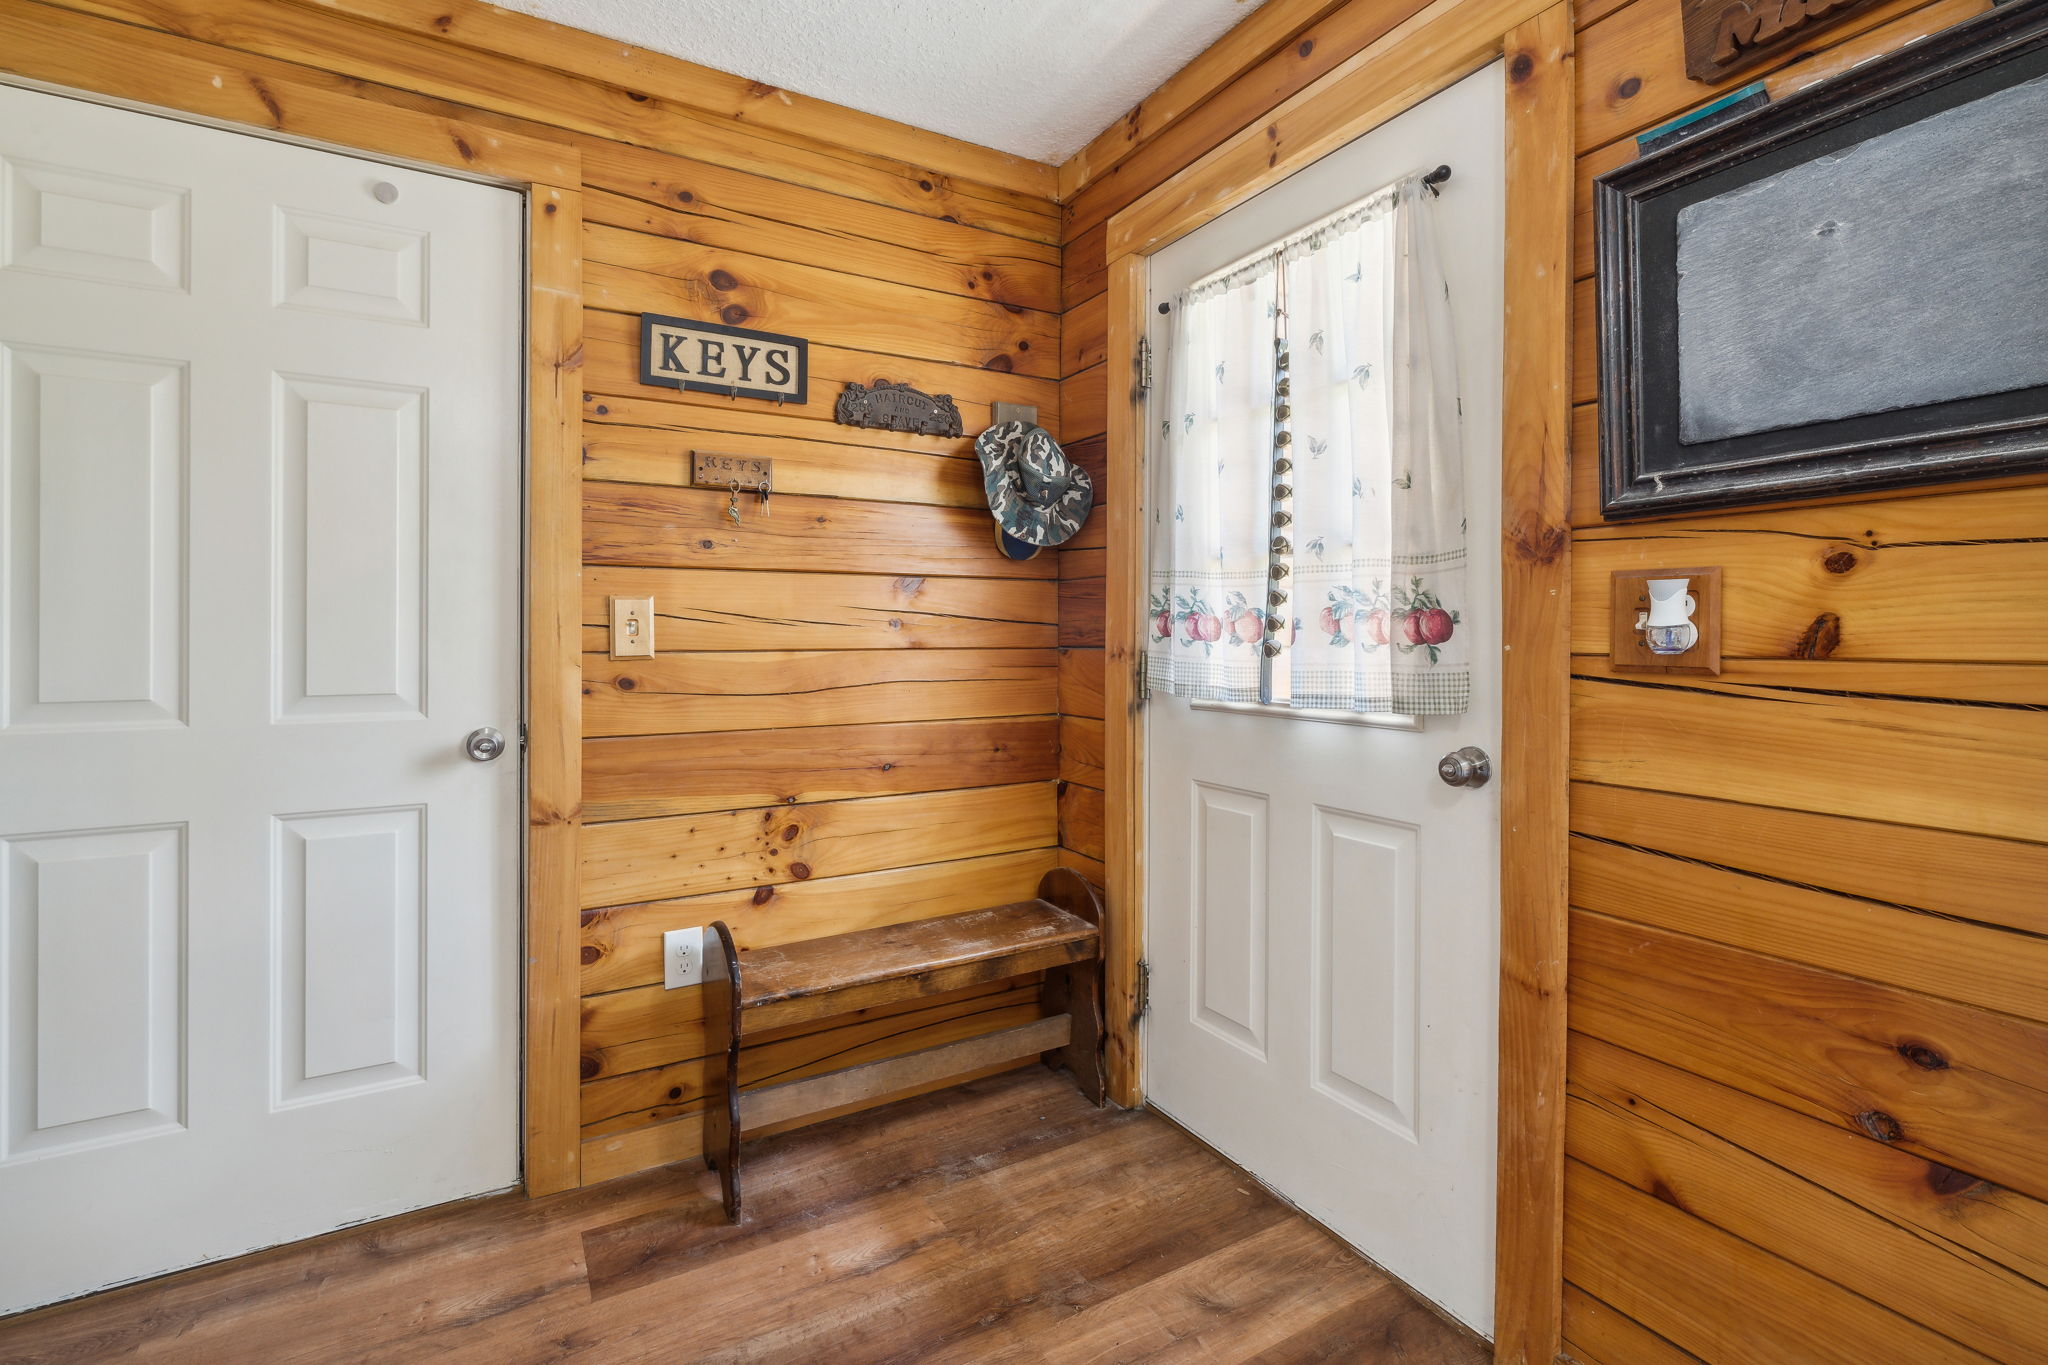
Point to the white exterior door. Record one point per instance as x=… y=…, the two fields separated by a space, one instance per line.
x=259 y=550
x=1322 y=914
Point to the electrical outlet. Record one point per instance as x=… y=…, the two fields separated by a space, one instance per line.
x=682 y=957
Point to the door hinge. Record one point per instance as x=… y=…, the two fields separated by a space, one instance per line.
x=1141 y=683
x=522 y=736
x=1141 y=992
x=1144 y=364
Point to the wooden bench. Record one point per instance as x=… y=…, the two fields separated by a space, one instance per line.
x=1060 y=934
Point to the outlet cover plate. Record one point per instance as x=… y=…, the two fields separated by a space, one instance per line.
x=682 y=957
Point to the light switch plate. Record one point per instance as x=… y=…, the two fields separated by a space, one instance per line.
x=682 y=957
x=632 y=627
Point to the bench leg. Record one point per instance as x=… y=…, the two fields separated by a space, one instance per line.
x=722 y=1066
x=1076 y=991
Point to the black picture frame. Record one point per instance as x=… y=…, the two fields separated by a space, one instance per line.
x=1645 y=469
x=793 y=356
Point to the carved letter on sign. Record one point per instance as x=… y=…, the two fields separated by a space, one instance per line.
x=708 y=357
x=1727 y=35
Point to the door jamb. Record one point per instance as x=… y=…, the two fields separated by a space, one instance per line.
x=550 y=176
x=1439 y=46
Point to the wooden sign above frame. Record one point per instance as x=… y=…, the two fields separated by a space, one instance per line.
x=1723 y=36
x=709 y=357
x=1838 y=292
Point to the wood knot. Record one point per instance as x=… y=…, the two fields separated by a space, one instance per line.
x=590 y=1067
x=1948 y=1182
x=626 y=684
x=800 y=870
x=733 y=314
x=1923 y=1056
x=723 y=279
x=763 y=894
x=685 y=197
x=790 y=832
x=636 y=96
x=998 y=362
x=1629 y=88
x=1666 y=1193
x=1820 y=639
x=551 y=208
x=1521 y=68
x=1841 y=561
x=1308 y=45
x=675 y=1092
x=592 y=954
x=1880 y=1125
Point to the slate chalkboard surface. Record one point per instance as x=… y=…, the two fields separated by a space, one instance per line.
x=1846 y=289
x=1824 y=292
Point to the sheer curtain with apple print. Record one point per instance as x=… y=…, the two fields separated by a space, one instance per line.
x=1308 y=528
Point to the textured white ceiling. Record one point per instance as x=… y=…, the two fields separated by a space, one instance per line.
x=1035 y=77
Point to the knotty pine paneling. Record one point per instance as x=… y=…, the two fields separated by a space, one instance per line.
x=1798 y=907
x=631 y=779
x=855 y=662
x=1800 y=897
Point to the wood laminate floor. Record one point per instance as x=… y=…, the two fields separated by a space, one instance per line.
x=998 y=1223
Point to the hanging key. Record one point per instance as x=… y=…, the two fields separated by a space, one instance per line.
x=732 y=502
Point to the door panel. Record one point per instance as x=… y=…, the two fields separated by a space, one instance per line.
x=259 y=915
x=87 y=225
x=93 y=460
x=94 y=989
x=350 y=928
x=350 y=503
x=1365 y=965
x=1322 y=912
x=1229 y=908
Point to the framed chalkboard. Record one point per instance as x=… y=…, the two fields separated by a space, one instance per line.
x=1845 y=290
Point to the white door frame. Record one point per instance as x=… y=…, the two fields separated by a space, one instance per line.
x=549 y=177
x=1446 y=42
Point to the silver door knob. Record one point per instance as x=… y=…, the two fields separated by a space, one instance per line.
x=1466 y=767
x=484 y=744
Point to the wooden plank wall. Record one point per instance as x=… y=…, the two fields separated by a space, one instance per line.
x=853 y=718
x=1809 y=999
x=1809 y=992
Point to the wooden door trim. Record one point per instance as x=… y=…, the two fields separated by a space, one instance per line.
x=550 y=175
x=552 y=1051
x=1435 y=49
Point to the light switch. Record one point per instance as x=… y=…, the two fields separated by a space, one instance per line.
x=632 y=627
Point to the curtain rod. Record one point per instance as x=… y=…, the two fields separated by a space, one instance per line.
x=1430 y=181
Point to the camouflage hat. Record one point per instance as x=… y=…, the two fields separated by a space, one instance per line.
x=1037 y=494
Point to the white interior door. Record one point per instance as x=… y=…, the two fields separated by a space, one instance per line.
x=1322 y=913
x=259 y=549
